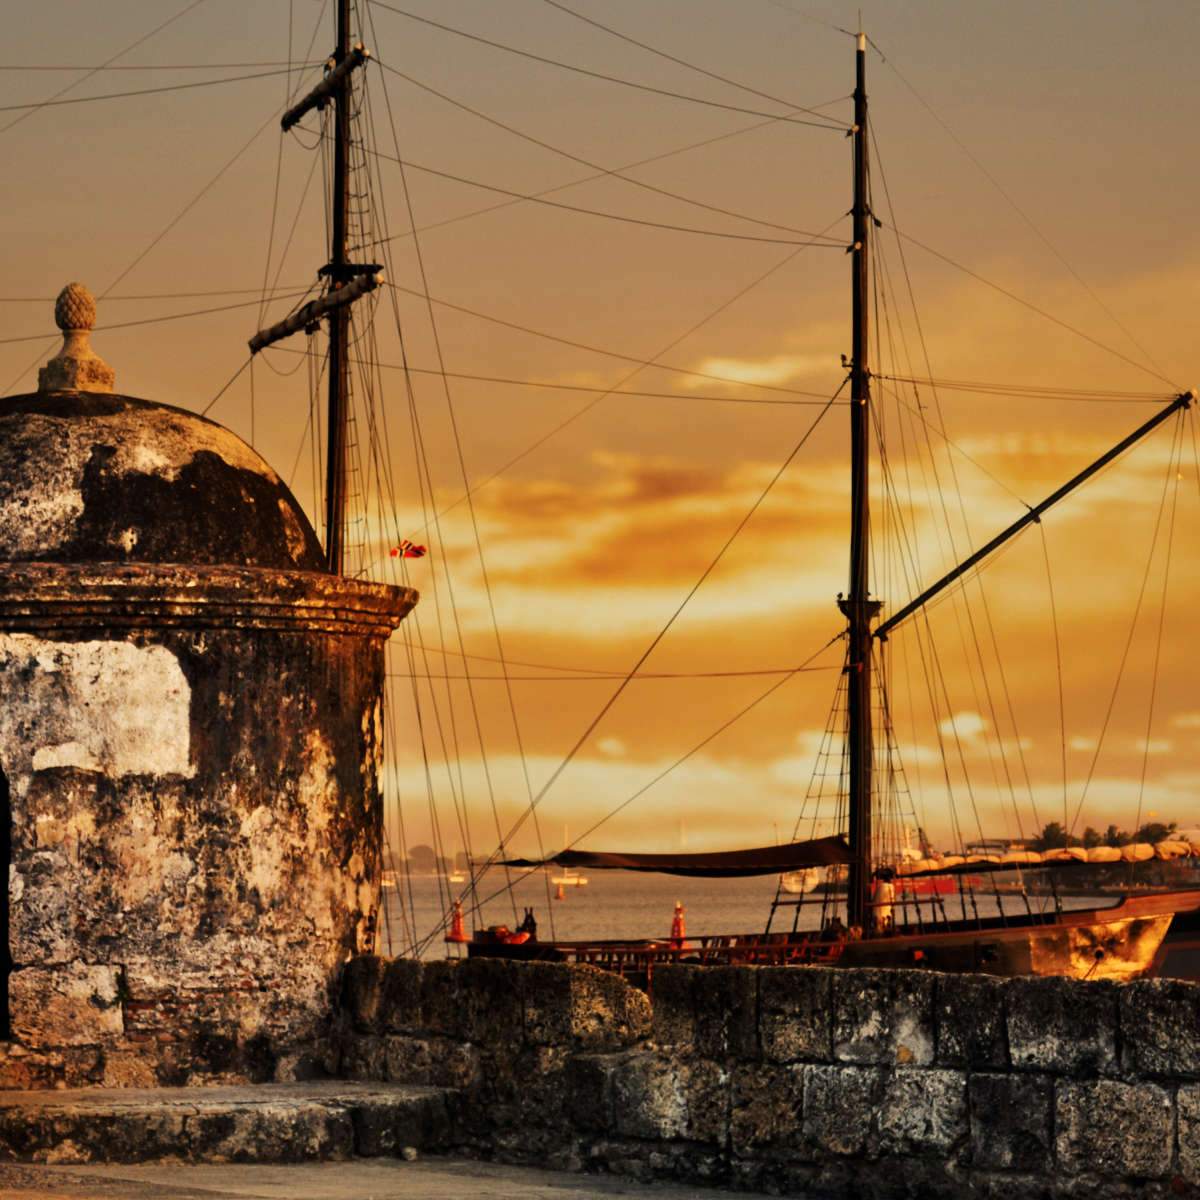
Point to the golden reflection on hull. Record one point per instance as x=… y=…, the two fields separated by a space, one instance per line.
x=1115 y=949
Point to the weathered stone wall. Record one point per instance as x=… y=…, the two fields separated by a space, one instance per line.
x=812 y=1081
x=192 y=758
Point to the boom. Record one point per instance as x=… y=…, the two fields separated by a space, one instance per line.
x=1034 y=514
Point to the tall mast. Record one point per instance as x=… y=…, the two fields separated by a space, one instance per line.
x=858 y=607
x=347 y=280
x=339 y=318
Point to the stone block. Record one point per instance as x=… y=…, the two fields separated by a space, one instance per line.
x=440 y=1062
x=766 y=1107
x=72 y=1005
x=364 y=1057
x=649 y=1097
x=270 y=1132
x=23 y=1070
x=581 y=1006
x=1062 y=1026
x=883 y=1017
x=1108 y=1128
x=441 y=999
x=969 y=1017
x=706 y=1093
x=362 y=992
x=1187 y=1105
x=402 y=996
x=1011 y=1122
x=923 y=1112
x=128 y=1067
x=590 y=1089
x=1160 y=1027
x=837 y=1107
x=490 y=1003
x=673 y=1005
x=726 y=1001
x=384 y=1125
x=795 y=1013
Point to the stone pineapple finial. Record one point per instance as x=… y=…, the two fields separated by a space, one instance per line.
x=76 y=367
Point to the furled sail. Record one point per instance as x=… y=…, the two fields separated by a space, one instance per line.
x=723 y=864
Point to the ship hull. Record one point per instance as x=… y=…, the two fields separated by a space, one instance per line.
x=1119 y=942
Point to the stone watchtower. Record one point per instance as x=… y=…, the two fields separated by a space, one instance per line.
x=190 y=740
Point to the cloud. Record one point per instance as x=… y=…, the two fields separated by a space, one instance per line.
x=965 y=724
x=1154 y=745
x=773 y=371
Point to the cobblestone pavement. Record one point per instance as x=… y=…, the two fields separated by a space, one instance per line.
x=362 y=1179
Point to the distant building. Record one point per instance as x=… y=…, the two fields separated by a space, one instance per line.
x=190 y=724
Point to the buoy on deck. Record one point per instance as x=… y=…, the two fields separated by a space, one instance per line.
x=678 y=928
x=560 y=892
x=458 y=931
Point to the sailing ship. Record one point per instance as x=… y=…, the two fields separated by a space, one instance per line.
x=885 y=923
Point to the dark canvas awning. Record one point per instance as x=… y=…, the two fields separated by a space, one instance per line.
x=765 y=860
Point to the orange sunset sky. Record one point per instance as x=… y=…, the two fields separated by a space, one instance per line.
x=1050 y=149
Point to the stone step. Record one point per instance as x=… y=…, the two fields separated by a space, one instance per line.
x=266 y=1123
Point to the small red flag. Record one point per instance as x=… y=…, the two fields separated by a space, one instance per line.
x=408 y=549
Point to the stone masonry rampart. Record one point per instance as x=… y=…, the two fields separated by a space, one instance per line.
x=812 y=1081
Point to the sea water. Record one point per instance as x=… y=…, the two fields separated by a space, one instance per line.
x=628 y=905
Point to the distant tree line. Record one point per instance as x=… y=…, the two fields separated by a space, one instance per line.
x=424 y=860
x=1055 y=836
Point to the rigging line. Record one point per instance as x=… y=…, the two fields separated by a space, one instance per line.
x=816 y=399
x=562 y=187
x=427 y=488
x=154 y=91
x=197 y=312
x=878 y=158
x=598 y=678
x=645 y=87
x=624 y=37
x=591 y=670
x=312 y=41
x=809 y=17
x=228 y=384
x=466 y=481
x=262 y=307
x=1034 y=390
x=1020 y=212
x=187 y=8
x=1058 y=667
x=728 y=723
x=629 y=358
x=668 y=226
x=287 y=245
x=662 y=633
x=920 y=416
x=193 y=202
x=1162 y=620
x=250 y=291
x=604 y=172
x=640 y=364
x=1137 y=609
x=220 y=66
x=1041 y=312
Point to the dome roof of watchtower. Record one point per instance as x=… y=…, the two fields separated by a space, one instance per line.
x=88 y=475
